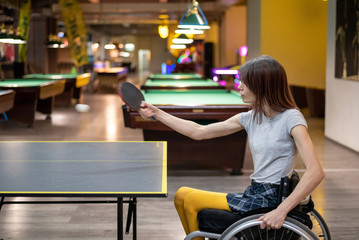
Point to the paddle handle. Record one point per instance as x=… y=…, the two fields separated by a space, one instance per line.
x=153 y=118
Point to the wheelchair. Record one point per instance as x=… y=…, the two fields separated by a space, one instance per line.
x=303 y=222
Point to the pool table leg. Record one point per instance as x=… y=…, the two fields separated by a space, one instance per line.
x=77 y=94
x=45 y=106
x=65 y=98
x=24 y=108
x=235 y=172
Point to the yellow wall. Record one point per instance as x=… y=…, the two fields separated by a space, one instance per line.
x=294 y=33
x=233 y=34
x=211 y=35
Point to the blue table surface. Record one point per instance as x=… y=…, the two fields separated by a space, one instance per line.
x=122 y=168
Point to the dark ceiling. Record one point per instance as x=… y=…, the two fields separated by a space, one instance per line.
x=120 y=17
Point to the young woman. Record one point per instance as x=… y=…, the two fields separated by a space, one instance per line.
x=276 y=131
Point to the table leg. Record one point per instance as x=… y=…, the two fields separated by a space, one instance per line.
x=2 y=202
x=134 y=225
x=132 y=210
x=129 y=216
x=119 y=218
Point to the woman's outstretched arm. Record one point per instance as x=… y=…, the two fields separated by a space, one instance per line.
x=190 y=128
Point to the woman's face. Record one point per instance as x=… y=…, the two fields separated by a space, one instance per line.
x=246 y=94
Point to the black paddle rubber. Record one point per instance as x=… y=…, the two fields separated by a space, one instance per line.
x=131 y=95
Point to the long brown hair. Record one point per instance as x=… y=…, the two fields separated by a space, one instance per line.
x=267 y=79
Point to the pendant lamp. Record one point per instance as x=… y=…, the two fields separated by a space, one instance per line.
x=182 y=39
x=193 y=18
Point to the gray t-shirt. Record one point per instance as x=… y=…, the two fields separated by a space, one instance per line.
x=271 y=143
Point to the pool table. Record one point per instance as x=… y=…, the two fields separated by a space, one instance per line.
x=6 y=100
x=30 y=96
x=176 y=76
x=107 y=79
x=181 y=84
x=202 y=106
x=74 y=83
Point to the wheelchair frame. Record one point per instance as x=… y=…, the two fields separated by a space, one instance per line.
x=318 y=222
x=245 y=226
x=248 y=227
x=291 y=229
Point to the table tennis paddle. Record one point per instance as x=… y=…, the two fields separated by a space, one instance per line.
x=132 y=96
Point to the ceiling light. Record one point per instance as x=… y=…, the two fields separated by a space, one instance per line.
x=125 y=54
x=95 y=46
x=17 y=38
x=178 y=46
x=130 y=47
x=199 y=27
x=182 y=39
x=194 y=18
x=11 y=35
x=189 y=31
x=4 y=37
x=54 y=41
x=163 y=31
x=163 y=16
x=110 y=46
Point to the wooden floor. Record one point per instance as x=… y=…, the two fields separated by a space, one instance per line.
x=337 y=198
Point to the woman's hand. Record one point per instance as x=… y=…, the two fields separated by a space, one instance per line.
x=147 y=110
x=272 y=220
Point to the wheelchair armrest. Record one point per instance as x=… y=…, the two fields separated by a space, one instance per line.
x=308 y=206
x=262 y=210
x=215 y=220
x=301 y=217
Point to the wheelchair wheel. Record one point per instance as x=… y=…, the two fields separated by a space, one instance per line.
x=249 y=229
x=320 y=228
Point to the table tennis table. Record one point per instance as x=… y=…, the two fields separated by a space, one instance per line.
x=84 y=169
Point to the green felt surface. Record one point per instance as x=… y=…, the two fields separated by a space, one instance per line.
x=180 y=83
x=193 y=97
x=22 y=83
x=50 y=76
x=178 y=76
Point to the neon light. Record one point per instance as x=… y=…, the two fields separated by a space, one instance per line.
x=237 y=82
x=164 y=68
x=225 y=71
x=222 y=83
x=243 y=51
